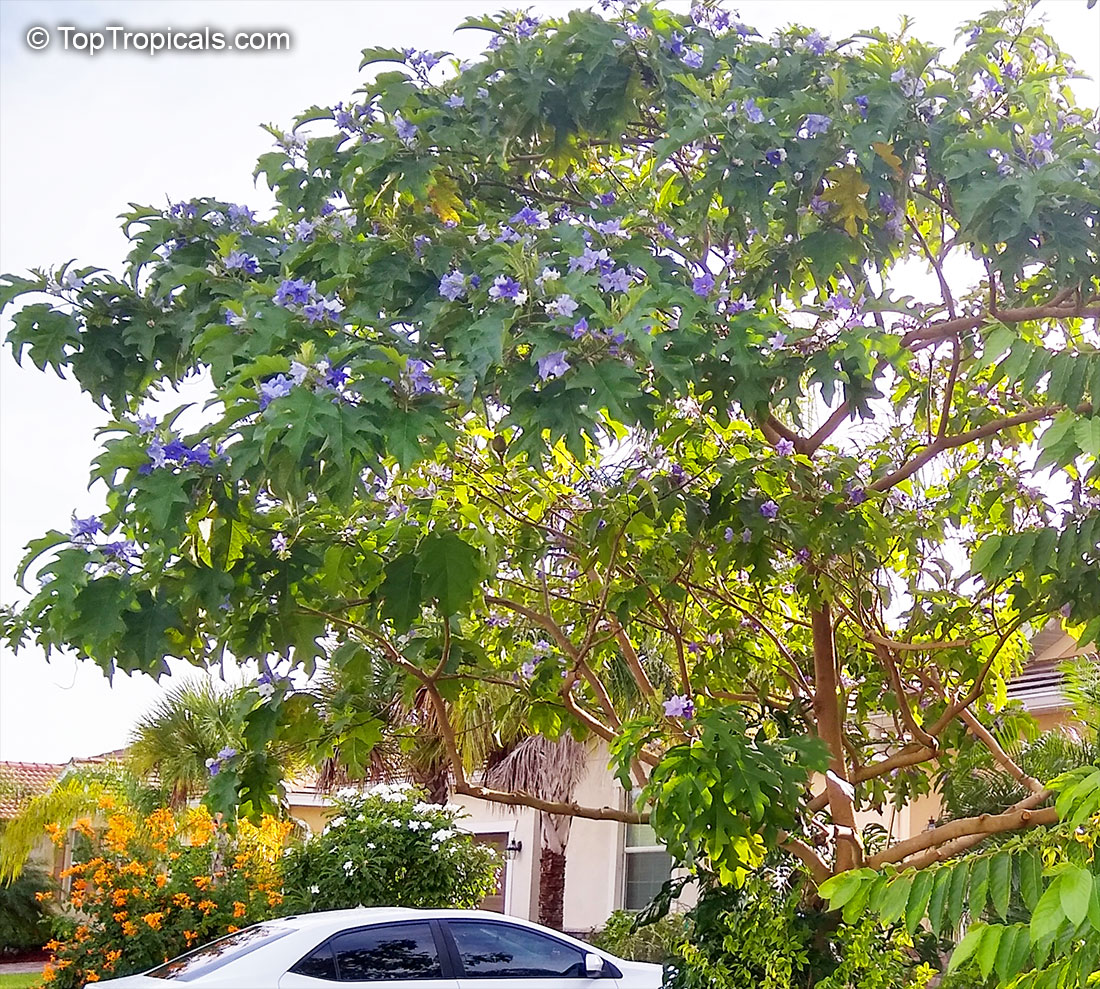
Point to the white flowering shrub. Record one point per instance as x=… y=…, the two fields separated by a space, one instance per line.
x=386 y=846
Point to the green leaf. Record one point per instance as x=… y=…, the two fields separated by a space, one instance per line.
x=956 y=896
x=986 y=953
x=1031 y=878
x=919 y=898
x=895 y=899
x=1075 y=892
x=979 y=885
x=1048 y=915
x=1000 y=883
x=839 y=889
x=966 y=947
x=401 y=591
x=450 y=570
x=938 y=901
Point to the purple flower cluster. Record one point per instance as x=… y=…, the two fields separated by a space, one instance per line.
x=552 y=365
x=214 y=766
x=294 y=294
x=239 y=261
x=175 y=451
x=241 y=217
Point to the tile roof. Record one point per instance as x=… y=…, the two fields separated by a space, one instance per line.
x=19 y=781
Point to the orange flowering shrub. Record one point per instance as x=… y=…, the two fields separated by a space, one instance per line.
x=148 y=889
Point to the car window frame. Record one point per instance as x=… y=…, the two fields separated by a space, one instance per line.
x=442 y=950
x=220 y=962
x=610 y=970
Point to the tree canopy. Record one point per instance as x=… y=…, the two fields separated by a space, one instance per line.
x=729 y=399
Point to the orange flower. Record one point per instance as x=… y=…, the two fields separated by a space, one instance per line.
x=154 y=919
x=120 y=916
x=202 y=881
x=207 y=905
x=91 y=977
x=129 y=928
x=84 y=826
x=48 y=973
x=57 y=836
x=239 y=908
x=40 y=896
x=274 y=899
x=182 y=900
x=161 y=880
x=191 y=936
x=106 y=802
x=112 y=957
x=232 y=929
x=119 y=897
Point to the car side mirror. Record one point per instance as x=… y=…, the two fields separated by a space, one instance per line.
x=593 y=965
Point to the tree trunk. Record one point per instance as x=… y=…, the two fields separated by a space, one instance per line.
x=551 y=888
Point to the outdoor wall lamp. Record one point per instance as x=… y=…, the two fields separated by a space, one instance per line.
x=513 y=848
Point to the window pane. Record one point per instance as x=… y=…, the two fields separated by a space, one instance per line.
x=395 y=951
x=217 y=953
x=640 y=835
x=646 y=872
x=320 y=964
x=500 y=951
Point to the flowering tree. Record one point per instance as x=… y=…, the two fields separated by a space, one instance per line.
x=728 y=399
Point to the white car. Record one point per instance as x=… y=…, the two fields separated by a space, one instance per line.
x=396 y=948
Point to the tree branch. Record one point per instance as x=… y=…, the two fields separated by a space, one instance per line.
x=999 y=754
x=521 y=798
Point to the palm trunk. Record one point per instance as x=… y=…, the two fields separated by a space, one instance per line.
x=551 y=888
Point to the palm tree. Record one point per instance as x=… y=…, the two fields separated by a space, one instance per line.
x=192 y=723
x=550 y=770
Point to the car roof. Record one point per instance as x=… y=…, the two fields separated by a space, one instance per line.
x=377 y=915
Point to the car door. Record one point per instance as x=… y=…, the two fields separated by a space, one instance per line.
x=490 y=954
x=400 y=955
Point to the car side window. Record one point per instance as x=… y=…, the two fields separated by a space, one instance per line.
x=318 y=964
x=502 y=951
x=386 y=953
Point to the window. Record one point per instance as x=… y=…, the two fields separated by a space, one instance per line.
x=318 y=964
x=217 y=953
x=501 y=951
x=646 y=869
x=386 y=953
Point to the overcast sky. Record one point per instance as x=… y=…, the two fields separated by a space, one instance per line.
x=82 y=136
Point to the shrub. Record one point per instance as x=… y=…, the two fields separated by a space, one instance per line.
x=386 y=847
x=654 y=942
x=160 y=885
x=24 y=921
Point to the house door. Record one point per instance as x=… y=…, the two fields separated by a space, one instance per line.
x=498 y=840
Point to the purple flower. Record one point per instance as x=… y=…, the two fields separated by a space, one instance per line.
x=815 y=123
x=335 y=377
x=156 y=453
x=856 y=494
x=769 y=509
x=693 y=59
x=778 y=340
x=455 y=102
x=887 y=203
x=146 y=425
x=839 y=302
x=199 y=455
x=241 y=217
x=420 y=244
x=278 y=543
x=746 y=535
x=563 y=305
x=176 y=451
x=580 y=328
x=406 y=131
x=527 y=670
x=588 y=260
x=233 y=319
x=245 y=262
x=702 y=285
x=86 y=527
x=452 y=286
x=862 y=103
x=504 y=287
x=419 y=378
x=784 y=448
x=606 y=198
x=475 y=281
x=776 y=156
x=679 y=706
x=541 y=648
x=816 y=43
x=611 y=228
x=553 y=365
x=974 y=35
x=666 y=231
x=213 y=766
x=742 y=305
x=303 y=231
x=293 y=291
x=506 y=236
x=728 y=535
x=526 y=26
x=123 y=549
x=615 y=281
x=753 y=114
x=803 y=555
x=636 y=32
x=675 y=47
x=527 y=216
x=227 y=753
x=278 y=387
x=819 y=206
x=1042 y=148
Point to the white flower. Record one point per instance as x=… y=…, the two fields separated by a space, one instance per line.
x=370 y=844
x=349 y=867
x=344 y=793
x=442 y=835
x=435 y=848
x=315 y=889
x=337 y=822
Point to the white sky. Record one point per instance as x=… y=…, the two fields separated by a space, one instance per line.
x=81 y=137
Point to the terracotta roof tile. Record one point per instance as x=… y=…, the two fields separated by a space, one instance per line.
x=19 y=781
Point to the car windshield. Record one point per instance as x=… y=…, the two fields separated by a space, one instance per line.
x=218 y=953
